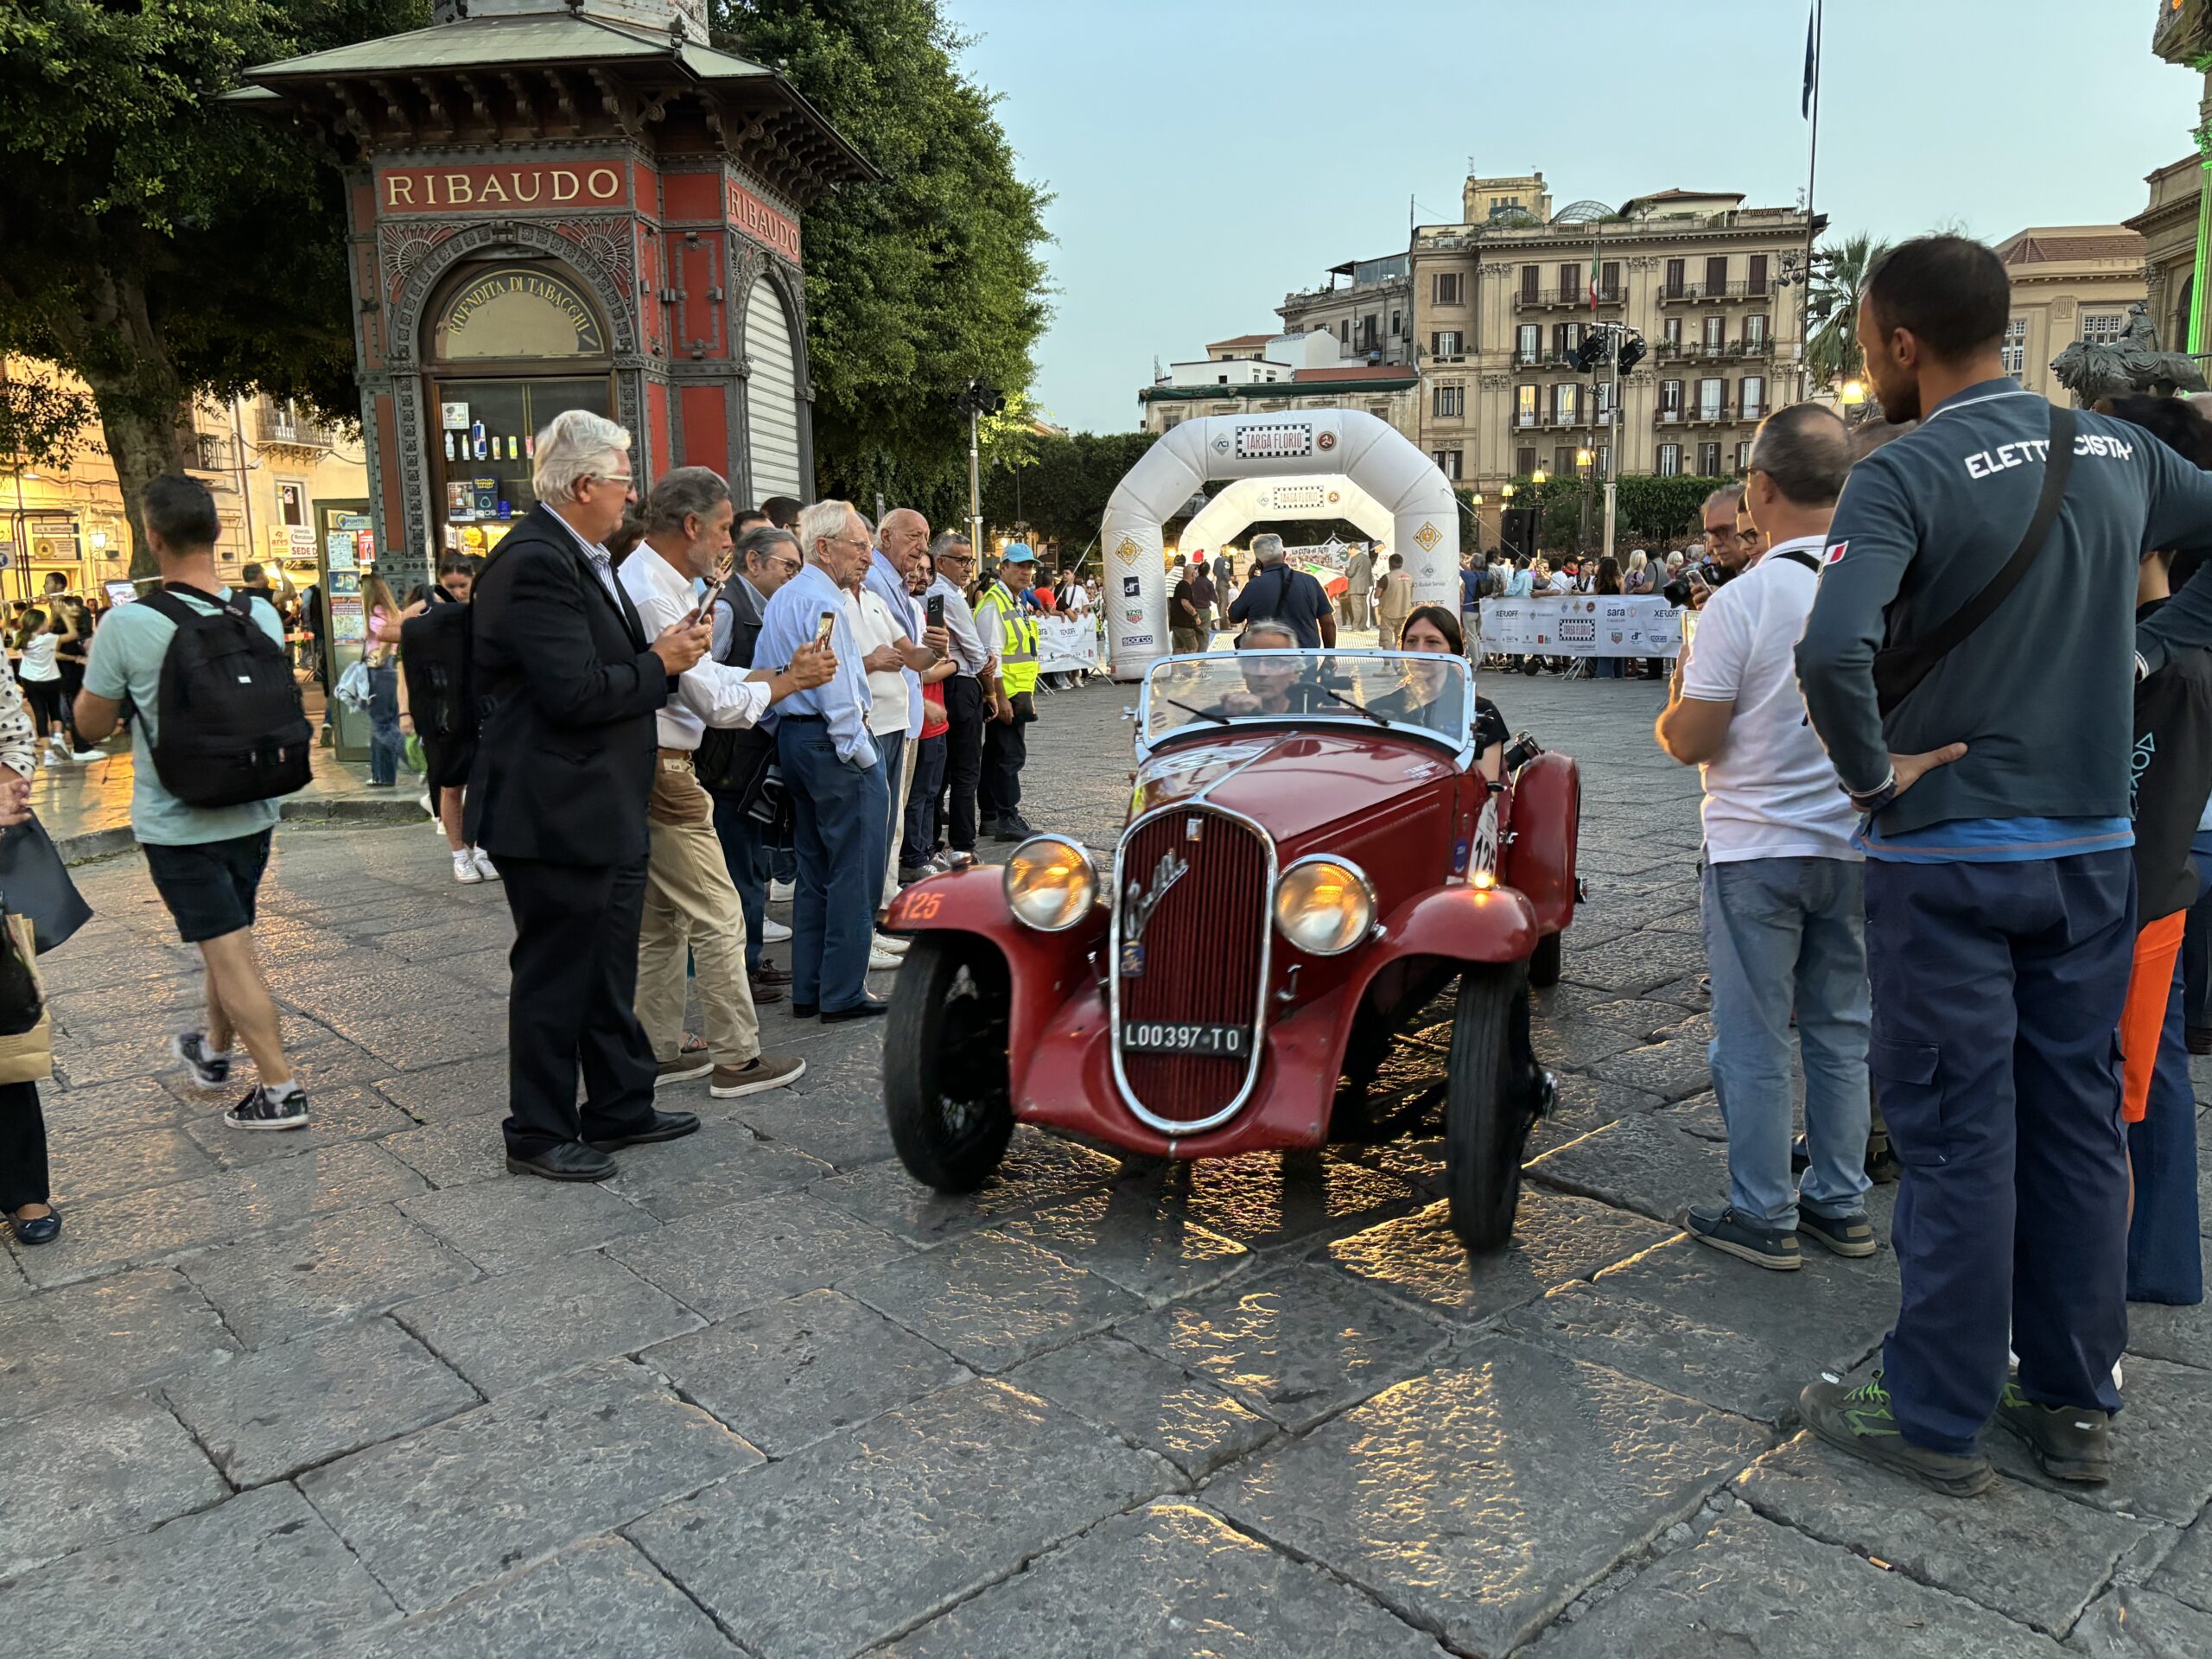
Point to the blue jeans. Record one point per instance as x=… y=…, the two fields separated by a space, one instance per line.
x=1998 y=990
x=1785 y=934
x=386 y=745
x=1606 y=668
x=838 y=812
x=921 y=802
x=742 y=850
x=2165 y=1257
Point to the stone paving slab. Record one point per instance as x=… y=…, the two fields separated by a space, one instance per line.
x=726 y=1263
x=108 y=1108
x=2162 y=1461
x=452 y=1089
x=1637 y=964
x=261 y=1574
x=1127 y=1237
x=1637 y=1163
x=2143 y=1625
x=87 y=1340
x=1476 y=1502
x=723 y=1163
x=2181 y=1334
x=2029 y=1555
x=598 y=1599
x=1267 y=1199
x=1169 y=1580
x=788 y=1374
x=87 y=1166
x=354 y=1113
x=1039 y=1168
x=1419 y=1259
x=1752 y=1590
x=993 y=1300
x=1148 y=1400
x=926 y=1504
x=1297 y=1344
x=503 y=1333
x=1673 y=1069
x=458 y=1503
x=515 y=1223
x=2186 y=1574
x=323 y=1271
x=459 y=1151
x=92 y=1470
x=266 y=1416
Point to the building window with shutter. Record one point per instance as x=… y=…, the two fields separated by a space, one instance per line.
x=1532 y=281
x=1344 y=330
x=2102 y=327
x=1716 y=333
x=1609 y=281
x=1743 y=456
x=1755 y=332
x=1524 y=462
x=1524 y=406
x=1444 y=288
x=1394 y=330
x=1755 y=280
x=1711 y=397
x=1751 y=395
x=1670 y=461
x=1448 y=403
x=2015 y=349
x=1670 y=333
x=1529 y=343
x=1677 y=278
x=1570 y=279
x=1709 y=460
x=1447 y=462
x=1670 y=400
x=1716 y=274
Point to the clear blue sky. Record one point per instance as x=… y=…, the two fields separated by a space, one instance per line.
x=1209 y=155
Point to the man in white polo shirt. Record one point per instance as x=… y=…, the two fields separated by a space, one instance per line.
x=1783 y=910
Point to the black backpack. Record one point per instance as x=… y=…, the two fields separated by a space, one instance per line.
x=232 y=728
x=731 y=760
x=435 y=654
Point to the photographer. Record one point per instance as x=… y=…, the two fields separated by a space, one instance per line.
x=1732 y=545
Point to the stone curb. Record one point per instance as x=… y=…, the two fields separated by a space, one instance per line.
x=105 y=843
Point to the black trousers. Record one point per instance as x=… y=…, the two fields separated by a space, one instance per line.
x=571 y=1003
x=1006 y=749
x=963 y=758
x=22 y=1147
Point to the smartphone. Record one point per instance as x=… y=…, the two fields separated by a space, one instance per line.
x=715 y=583
x=829 y=625
x=933 y=608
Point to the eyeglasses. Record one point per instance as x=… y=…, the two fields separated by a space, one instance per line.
x=624 y=479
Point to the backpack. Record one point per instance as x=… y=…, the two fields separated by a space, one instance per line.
x=731 y=760
x=435 y=654
x=232 y=726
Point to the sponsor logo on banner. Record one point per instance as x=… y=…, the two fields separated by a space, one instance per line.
x=1132 y=586
x=1128 y=550
x=1132 y=614
x=1836 y=551
x=1326 y=440
x=1275 y=441
x=1428 y=536
x=1137 y=639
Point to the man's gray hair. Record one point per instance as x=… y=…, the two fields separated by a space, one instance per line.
x=1731 y=493
x=1267 y=625
x=575 y=445
x=1267 y=549
x=944 y=539
x=1805 y=450
x=683 y=494
x=759 y=543
x=823 y=521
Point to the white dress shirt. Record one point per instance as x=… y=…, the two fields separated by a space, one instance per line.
x=602 y=563
x=707 y=694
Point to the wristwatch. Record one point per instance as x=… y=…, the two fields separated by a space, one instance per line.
x=1874 y=800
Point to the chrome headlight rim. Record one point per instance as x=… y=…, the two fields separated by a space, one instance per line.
x=1083 y=856
x=1360 y=878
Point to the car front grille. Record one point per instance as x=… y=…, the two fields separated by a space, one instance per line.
x=1204 y=943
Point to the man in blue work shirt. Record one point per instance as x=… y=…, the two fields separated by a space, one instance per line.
x=2000 y=902
x=840 y=807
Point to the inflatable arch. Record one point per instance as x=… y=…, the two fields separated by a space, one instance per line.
x=1282 y=466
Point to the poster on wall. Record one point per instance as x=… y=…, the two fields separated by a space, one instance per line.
x=1582 y=625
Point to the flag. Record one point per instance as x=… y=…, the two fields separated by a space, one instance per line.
x=1593 y=279
x=1812 y=66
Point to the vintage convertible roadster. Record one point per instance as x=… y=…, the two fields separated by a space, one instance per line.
x=1313 y=852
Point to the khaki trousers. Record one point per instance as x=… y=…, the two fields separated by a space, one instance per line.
x=691 y=906
x=898 y=822
x=1387 y=629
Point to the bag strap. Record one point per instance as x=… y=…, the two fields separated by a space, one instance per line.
x=1898 y=670
x=1799 y=556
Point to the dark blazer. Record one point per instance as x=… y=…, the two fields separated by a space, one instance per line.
x=565 y=759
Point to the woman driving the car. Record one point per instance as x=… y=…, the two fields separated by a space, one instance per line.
x=1429 y=695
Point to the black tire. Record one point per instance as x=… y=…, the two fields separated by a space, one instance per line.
x=1544 y=962
x=1484 y=1127
x=944 y=1072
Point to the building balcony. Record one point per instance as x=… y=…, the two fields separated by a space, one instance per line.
x=1695 y=293
x=291 y=430
x=1550 y=299
x=216 y=453
x=1724 y=415
x=1691 y=351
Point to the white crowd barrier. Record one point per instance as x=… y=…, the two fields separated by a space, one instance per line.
x=1583 y=624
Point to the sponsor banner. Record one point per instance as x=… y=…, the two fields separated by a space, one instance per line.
x=1582 y=625
x=1067 y=644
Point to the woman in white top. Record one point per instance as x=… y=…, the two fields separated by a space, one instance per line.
x=41 y=636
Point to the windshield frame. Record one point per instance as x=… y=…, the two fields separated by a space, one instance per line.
x=1339 y=721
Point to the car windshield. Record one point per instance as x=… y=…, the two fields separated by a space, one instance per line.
x=1414 y=691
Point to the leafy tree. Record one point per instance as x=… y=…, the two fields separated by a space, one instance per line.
x=1063 y=493
x=1831 y=355
x=915 y=284
x=40 y=419
x=161 y=244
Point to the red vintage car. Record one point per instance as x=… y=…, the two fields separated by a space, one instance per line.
x=1316 y=848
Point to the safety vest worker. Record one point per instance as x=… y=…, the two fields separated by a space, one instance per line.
x=1017 y=637
x=1006 y=744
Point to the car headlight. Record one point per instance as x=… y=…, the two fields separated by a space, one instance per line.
x=1051 y=883
x=1324 y=906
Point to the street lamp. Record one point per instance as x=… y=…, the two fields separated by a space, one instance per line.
x=1539 y=476
x=1852 y=392
x=1583 y=457
x=977 y=398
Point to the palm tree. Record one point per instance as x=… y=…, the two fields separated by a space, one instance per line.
x=1831 y=354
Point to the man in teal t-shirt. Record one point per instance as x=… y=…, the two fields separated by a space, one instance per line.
x=206 y=862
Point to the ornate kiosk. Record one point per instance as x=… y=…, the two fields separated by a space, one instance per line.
x=559 y=205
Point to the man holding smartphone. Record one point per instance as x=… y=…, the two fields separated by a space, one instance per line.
x=970 y=695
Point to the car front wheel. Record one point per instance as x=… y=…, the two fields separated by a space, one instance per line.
x=1544 y=962
x=944 y=1068
x=1484 y=1126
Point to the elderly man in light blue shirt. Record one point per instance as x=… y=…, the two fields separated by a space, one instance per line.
x=901 y=539
x=840 y=805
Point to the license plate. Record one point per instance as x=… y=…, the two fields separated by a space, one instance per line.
x=1171 y=1037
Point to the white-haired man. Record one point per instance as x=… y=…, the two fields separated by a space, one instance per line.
x=569 y=684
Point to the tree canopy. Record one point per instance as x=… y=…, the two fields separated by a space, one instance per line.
x=1831 y=355
x=1061 y=495
x=916 y=283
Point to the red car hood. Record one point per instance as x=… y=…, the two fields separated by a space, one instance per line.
x=1292 y=783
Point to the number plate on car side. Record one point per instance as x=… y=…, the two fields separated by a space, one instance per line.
x=1175 y=1037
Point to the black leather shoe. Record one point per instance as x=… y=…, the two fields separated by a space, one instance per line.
x=867 y=1008
x=768 y=973
x=666 y=1126
x=571 y=1160
x=38 y=1229
x=764 y=993
x=805 y=1010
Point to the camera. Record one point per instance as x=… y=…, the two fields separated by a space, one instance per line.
x=1677 y=592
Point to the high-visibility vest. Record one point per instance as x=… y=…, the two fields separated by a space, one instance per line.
x=1017 y=640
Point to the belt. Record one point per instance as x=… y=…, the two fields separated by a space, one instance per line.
x=799 y=719
x=679 y=755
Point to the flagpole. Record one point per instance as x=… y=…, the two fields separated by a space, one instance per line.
x=1812 y=172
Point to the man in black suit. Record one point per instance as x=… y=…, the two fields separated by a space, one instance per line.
x=569 y=685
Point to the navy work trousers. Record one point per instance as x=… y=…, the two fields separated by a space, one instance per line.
x=1998 y=990
x=2165 y=1257
x=838 y=816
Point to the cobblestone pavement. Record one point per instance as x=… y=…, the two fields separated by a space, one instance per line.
x=357 y=1392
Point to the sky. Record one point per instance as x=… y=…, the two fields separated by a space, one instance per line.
x=1208 y=156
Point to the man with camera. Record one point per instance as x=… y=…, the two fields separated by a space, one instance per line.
x=1783 y=905
x=1732 y=545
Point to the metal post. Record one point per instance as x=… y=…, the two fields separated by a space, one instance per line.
x=1613 y=457
x=1811 y=171
x=974 y=490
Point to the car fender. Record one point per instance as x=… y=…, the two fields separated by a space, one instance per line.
x=1461 y=922
x=1044 y=969
x=1547 y=823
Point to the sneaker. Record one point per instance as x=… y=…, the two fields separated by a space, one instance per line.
x=693 y=1059
x=781 y=892
x=1764 y=1246
x=209 y=1069
x=424 y=802
x=1012 y=827
x=757 y=1076
x=773 y=931
x=2069 y=1442
x=484 y=867
x=464 y=867
x=264 y=1109
x=1860 y=1422
x=887 y=944
x=881 y=962
x=89 y=754
x=959 y=861
x=1851 y=1235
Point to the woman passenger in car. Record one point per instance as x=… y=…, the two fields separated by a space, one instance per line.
x=1426 y=699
